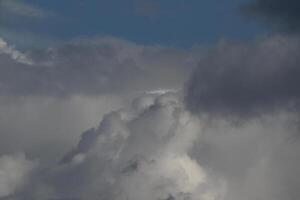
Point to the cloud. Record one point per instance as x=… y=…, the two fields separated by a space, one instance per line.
x=143 y=153
x=255 y=83
x=46 y=127
x=155 y=149
x=18 y=19
x=20 y=9
x=247 y=79
x=92 y=67
x=282 y=14
x=13 y=173
x=16 y=55
x=137 y=152
x=258 y=159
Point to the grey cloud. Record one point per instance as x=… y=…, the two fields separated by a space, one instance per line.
x=282 y=14
x=92 y=67
x=136 y=152
x=258 y=159
x=87 y=140
x=247 y=79
x=47 y=127
x=155 y=149
x=255 y=83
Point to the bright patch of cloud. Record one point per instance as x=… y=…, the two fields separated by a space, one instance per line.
x=13 y=173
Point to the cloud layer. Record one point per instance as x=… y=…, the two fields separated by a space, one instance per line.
x=104 y=65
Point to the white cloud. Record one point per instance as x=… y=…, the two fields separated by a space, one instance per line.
x=13 y=53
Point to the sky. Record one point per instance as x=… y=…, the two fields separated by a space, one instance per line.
x=149 y=99
x=170 y=22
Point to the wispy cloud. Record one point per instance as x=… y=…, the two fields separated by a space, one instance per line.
x=18 y=8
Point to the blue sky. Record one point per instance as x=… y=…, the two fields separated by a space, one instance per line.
x=182 y=23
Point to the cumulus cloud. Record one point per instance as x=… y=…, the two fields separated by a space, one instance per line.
x=97 y=75
x=283 y=14
x=143 y=153
x=247 y=79
x=95 y=66
x=155 y=149
x=140 y=152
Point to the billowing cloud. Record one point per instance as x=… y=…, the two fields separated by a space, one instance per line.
x=140 y=152
x=280 y=13
x=155 y=149
x=97 y=75
x=246 y=79
x=143 y=153
x=104 y=65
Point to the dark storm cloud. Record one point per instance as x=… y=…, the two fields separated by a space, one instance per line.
x=247 y=79
x=281 y=13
